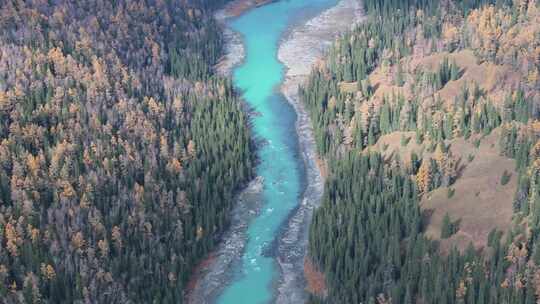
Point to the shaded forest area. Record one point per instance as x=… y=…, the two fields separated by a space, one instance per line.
x=120 y=150
x=426 y=67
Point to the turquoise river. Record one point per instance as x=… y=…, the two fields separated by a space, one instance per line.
x=259 y=78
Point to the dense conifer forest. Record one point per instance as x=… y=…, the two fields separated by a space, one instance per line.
x=447 y=72
x=120 y=150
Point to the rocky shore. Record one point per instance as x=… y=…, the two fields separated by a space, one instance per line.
x=234 y=48
x=299 y=51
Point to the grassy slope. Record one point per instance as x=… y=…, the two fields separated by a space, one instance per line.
x=479 y=202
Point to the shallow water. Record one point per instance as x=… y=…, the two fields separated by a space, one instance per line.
x=281 y=166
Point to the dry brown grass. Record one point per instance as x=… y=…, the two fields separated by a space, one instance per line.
x=390 y=145
x=389 y=90
x=480 y=201
x=348 y=87
x=382 y=79
x=493 y=79
x=322 y=164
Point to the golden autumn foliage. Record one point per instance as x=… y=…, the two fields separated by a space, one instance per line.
x=117 y=237
x=109 y=122
x=424 y=177
x=174 y=166
x=48 y=271
x=461 y=290
x=450 y=35
x=103 y=246
x=500 y=36
x=12 y=239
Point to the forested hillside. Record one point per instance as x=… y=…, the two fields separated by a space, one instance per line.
x=427 y=117
x=120 y=151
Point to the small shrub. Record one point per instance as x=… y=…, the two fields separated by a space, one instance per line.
x=448 y=227
x=505 y=178
x=477 y=143
x=451 y=192
x=470 y=158
x=494 y=238
x=399 y=79
x=405 y=140
x=385 y=147
x=467 y=134
x=419 y=137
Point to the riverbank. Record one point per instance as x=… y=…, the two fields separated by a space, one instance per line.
x=209 y=276
x=299 y=52
x=234 y=51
